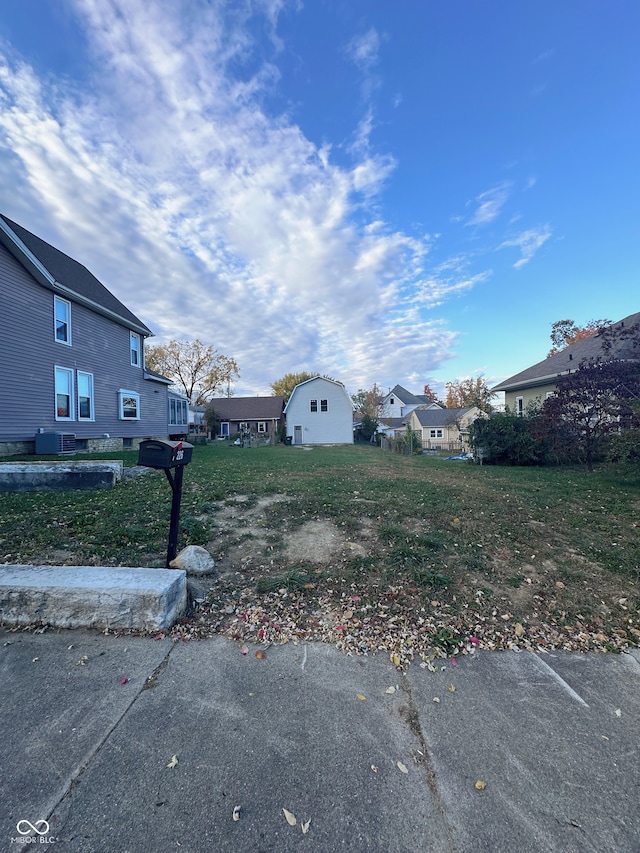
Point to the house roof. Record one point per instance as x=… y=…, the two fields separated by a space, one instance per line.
x=440 y=417
x=570 y=357
x=316 y=379
x=248 y=408
x=60 y=273
x=409 y=399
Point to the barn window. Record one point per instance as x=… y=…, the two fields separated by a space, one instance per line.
x=314 y=405
x=324 y=406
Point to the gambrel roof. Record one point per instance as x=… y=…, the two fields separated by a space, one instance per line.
x=66 y=277
x=570 y=358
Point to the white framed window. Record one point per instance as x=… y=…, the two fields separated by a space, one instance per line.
x=435 y=433
x=224 y=428
x=178 y=412
x=324 y=405
x=520 y=407
x=62 y=320
x=314 y=405
x=64 y=394
x=128 y=405
x=262 y=427
x=85 y=396
x=136 y=349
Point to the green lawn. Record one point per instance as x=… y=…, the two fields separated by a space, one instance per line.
x=507 y=552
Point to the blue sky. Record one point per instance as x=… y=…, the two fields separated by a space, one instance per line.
x=408 y=192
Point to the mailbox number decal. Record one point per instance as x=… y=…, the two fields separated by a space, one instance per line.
x=179 y=455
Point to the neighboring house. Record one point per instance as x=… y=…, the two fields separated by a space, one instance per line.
x=76 y=352
x=258 y=415
x=538 y=382
x=399 y=402
x=319 y=411
x=444 y=429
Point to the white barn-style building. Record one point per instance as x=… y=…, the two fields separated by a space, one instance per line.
x=319 y=411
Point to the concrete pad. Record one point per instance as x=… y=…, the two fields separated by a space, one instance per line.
x=62 y=695
x=58 y=476
x=93 y=597
x=288 y=732
x=561 y=765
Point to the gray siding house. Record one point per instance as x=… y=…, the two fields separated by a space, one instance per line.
x=72 y=356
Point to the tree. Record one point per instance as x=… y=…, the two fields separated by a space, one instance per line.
x=504 y=438
x=597 y=399
x=430 y=394
x=565 y=332
x=464 y=393
x=197 y=369
x=284 y=386
x=369 y=402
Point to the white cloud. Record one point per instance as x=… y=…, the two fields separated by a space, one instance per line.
x=489 y=204
x=208 y=216
x=363 y=50
x=528 y=242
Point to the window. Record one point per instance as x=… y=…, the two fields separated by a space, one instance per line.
x=62 y=320
x=128 y=406
x=314 y=405
x=224 y=428
x=85 y=396
x=324 y=405
x=435 y=433
x=262 y=427
x=135 y=347
x=178 y=412
x=392 y=402
x=64 y=394
x=520 y=406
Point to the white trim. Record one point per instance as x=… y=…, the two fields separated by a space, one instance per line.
x=59 y=300
x=122 y=393
x=92 y=416
x=71 y=408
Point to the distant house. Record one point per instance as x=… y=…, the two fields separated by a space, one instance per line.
x=319 y=411
x=399 y=402
x=76 y=352
x=258 y=415
x=444 y=429
x=538 y=382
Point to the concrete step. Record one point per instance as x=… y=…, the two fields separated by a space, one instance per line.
x=92 y=597
x=55 y=476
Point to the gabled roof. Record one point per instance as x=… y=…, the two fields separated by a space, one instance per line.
x=440 y=417
x=248 y=408
x=409 y=399
x=60 y=273
x=570 y=358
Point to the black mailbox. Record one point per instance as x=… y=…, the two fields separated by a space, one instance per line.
x=160 y=453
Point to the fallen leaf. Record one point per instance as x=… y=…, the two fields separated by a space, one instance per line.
x=395 y=659
x=519 y=629
x=236 y=813
x=618 y=712
x=34 y=660
x=348 y=614
x=374 y=768
x=305 y=826
x=454 y=662
x=480 y=785
x=390 y=690
x=260 y=655
x=360 y=697
x=436 y=699
x=401 y=767
x=452 y=688
x=82 y=660
x=173 y=762
x=124 y=680
x=244 y=650
x=559 y=585
x=291 y=819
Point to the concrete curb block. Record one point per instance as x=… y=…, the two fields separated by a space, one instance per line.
x=92 y=597
x=56 y=476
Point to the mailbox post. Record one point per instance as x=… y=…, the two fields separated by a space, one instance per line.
x=165 y=455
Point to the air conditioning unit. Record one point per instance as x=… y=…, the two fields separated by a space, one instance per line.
x=55 y=443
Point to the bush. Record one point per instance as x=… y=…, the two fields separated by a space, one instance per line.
x=623 y=449
x=506 y=439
